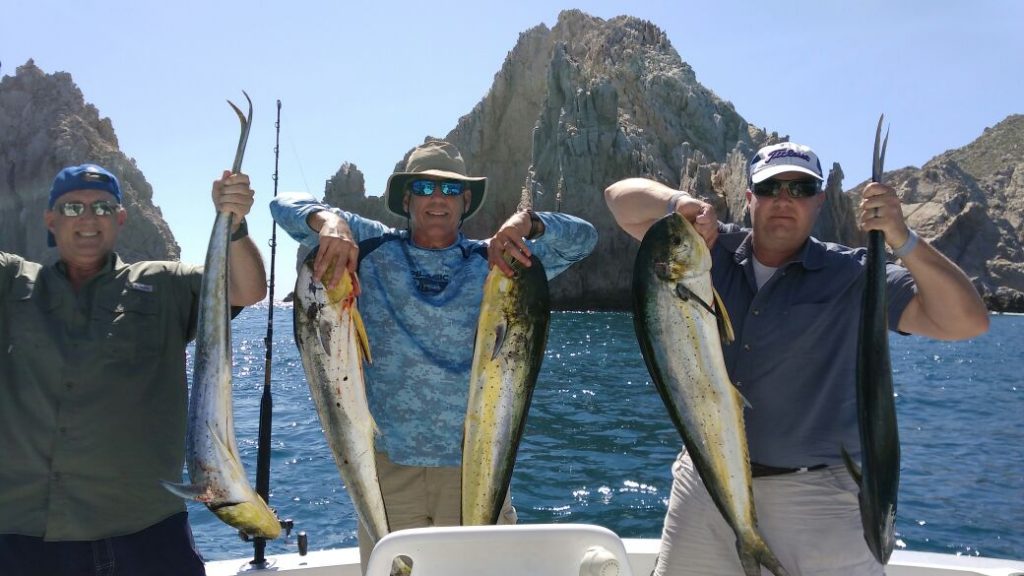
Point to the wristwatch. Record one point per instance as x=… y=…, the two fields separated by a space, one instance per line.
x=536 y=225
x=242 y=232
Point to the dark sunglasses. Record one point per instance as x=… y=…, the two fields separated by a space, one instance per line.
x=426 y=187
x=99 y=208
x=797 y=188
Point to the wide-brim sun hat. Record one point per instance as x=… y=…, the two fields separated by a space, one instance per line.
x=781 y=158
x=436 y=159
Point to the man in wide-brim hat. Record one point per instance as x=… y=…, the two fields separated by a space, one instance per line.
x=420 y=301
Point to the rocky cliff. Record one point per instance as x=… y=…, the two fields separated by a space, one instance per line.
x=46 y=125
x=969 y=203
x=590 y=101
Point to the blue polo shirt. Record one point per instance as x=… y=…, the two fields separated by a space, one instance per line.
x=795 y=352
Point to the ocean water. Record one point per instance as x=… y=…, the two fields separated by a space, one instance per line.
x=598 y=442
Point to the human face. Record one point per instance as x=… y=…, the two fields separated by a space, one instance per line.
x=434 y=219
x=782 y=223
x=85 y=240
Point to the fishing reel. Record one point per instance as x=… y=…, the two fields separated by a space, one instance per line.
x=301 y=539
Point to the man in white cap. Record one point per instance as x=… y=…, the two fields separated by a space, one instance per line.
x=421 y=289
x=795 y=302
x=93 y=394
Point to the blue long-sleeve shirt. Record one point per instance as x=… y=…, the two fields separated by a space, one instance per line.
x=420 y=307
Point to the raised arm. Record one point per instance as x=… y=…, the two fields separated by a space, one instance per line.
x=637 y=203
x=946 y=306
x=248 y=277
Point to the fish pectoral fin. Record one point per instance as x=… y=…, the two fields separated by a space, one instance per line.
x=222 y=444
x=852 y=466
x=323 y=334
x=500 y=331
x=743 y=399
x=724 y=323
x=186 y=491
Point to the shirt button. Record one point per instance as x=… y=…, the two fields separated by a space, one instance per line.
x=746 y=347
x=56 y=476
x=757 y=312
x=69 y=385
x=63 y=430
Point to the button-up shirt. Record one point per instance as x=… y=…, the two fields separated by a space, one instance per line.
x=794 y=356
x=93 y=396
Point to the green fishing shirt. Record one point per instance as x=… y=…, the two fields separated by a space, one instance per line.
x=93 y=396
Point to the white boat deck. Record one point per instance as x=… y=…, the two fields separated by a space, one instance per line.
x=522 y=555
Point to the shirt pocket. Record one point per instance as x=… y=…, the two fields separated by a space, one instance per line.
x=130 y=327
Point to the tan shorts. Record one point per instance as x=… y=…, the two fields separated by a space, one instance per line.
x=810 y=520
x=416 y=497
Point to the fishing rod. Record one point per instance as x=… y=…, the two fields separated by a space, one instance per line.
x=266 y=401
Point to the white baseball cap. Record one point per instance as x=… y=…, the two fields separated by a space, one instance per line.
x=785 y=157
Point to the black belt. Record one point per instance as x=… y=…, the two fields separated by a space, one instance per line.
x=758 y=470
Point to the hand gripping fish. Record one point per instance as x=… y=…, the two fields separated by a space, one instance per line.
x=333 y=345
x=511 y=336
x=214 y=467
x=680 y=322
x=879 y=472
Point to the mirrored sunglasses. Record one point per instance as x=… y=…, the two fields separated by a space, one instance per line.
x=448 y=188
x=99 y=208
x=771 y=188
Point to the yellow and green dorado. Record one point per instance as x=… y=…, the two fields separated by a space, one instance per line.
x=680 y=323
x=511 y=337
x=333 y=344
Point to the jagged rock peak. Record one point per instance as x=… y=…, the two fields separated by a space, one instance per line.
x=45 y=125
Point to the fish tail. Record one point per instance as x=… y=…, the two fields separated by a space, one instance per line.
x=754 y=554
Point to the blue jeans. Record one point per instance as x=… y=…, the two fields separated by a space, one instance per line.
x=164 y=549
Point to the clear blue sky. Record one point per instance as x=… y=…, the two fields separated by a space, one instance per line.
x=365 y=81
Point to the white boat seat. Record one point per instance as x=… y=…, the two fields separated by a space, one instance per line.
x=507 y=550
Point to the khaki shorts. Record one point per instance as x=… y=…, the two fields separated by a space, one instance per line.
x=416 y=496
x=810 y=520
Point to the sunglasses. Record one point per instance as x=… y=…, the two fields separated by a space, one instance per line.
x=99 y=208
x=426 y=187
x=797 y=188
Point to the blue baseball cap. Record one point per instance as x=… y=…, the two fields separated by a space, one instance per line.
x=82 y=177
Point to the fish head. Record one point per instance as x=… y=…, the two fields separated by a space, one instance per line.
x=678 y=251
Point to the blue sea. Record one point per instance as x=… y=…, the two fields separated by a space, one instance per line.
x=598 y=442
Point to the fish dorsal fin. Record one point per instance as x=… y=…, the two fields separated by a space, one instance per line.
x=364 y=342
x=724 y=323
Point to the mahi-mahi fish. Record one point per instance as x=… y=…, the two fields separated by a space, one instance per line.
x=214 y=467
x=680 y=323
x=879 y=473
x=511 y=337
x=334 y=347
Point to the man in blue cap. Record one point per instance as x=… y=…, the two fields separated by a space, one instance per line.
x=93 y=393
